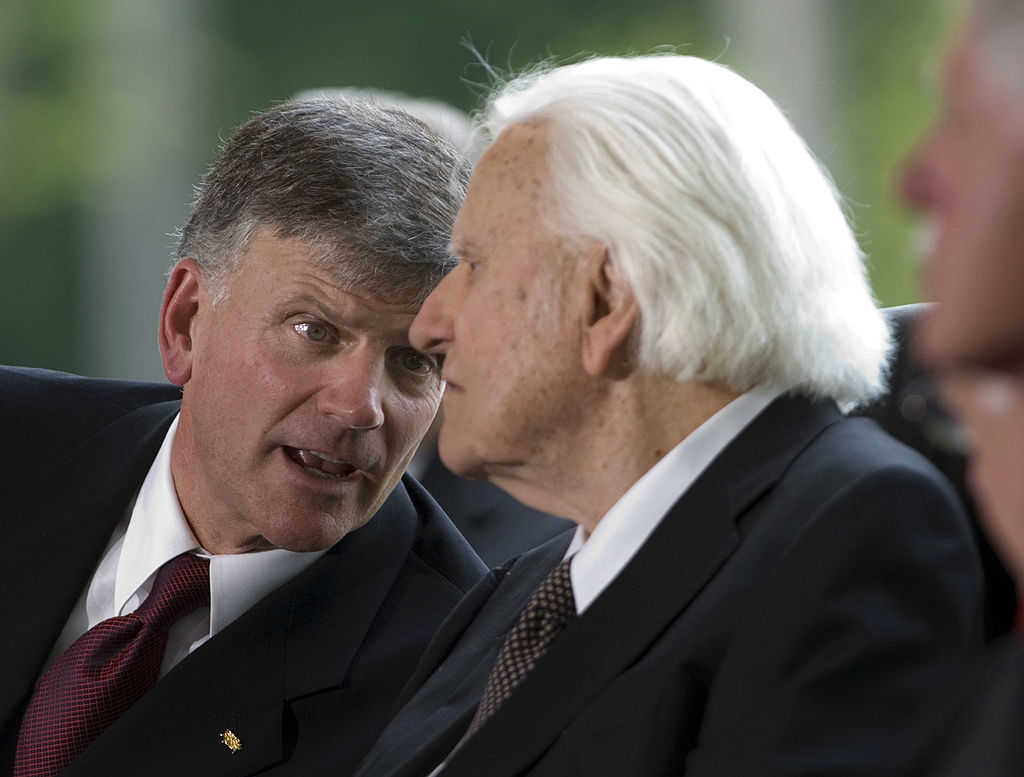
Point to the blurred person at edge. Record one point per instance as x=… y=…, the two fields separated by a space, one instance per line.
x=658 y=317
x=314 y=238
x=497 y=525
x=967 y=180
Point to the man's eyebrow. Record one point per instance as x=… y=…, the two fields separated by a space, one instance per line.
x=315 y=304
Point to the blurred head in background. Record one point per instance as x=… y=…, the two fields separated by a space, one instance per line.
x=967 y=180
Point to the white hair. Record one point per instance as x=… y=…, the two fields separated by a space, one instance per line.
x=732 y=236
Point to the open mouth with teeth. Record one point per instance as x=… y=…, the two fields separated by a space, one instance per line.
x=320 y=464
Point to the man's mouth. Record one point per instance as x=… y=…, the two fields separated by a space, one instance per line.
x=320 y=464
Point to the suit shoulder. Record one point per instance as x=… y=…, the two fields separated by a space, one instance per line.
x=61 y=406
x=857 y=450
x=439 y=546
x=31 y=386
x=855 y=486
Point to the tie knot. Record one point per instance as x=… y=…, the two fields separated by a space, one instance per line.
x=181 y=586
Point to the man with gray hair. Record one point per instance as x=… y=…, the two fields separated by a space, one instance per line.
x=234 y=576
x=967 y=179
x=658 y=315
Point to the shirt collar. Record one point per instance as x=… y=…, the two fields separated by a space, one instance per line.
x=157 y=529
x=599 y=558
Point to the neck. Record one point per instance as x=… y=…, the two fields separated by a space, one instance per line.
x=630 y=430
x=216 y=534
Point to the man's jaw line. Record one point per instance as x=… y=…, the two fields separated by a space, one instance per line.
x=525 y=481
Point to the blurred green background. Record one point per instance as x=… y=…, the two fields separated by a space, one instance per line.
x=111 y=109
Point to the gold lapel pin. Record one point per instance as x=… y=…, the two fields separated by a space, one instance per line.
x=231 y=741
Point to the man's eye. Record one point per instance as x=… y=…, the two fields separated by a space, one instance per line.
x=415 y=362
x=317 y=333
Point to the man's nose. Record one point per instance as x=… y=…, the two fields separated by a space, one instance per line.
x=352 y=388
x=431 y=330
x=915 y=183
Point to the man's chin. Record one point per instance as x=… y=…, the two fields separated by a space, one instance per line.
x=461 y=461
x=465 y=468
x=930 y=343
x=944 y=340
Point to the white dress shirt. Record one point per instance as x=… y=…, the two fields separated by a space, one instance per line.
x=598 y=559
x=153 y=532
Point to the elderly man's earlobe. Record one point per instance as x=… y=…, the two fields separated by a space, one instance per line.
x=610 y=318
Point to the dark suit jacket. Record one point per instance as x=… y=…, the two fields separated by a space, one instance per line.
x=912 y=412
x=791 y=615
x=497 y=525
x=982 y=731
x=306 y=678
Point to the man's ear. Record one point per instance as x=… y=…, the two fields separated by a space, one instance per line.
x=612 y=316
x=177 y=316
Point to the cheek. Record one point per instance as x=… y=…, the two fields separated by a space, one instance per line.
x=408 y=421
x=253 y=402
x=988 y=264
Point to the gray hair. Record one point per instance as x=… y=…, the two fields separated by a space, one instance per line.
x=373 y=190
x=451 y=123
x=732 y=236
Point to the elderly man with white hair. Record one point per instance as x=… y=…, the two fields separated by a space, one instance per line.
x=658 y=318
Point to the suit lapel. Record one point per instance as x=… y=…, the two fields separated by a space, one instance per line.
x=68 y=524
x=449 y=631
x=335 y=603
x=679 y=558
x=232 y=683
x=456 y=665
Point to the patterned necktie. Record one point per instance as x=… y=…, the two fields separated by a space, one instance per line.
x=106 y=671
x=550 y=608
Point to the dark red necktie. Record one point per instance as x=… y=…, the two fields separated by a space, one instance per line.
x=106 y=671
